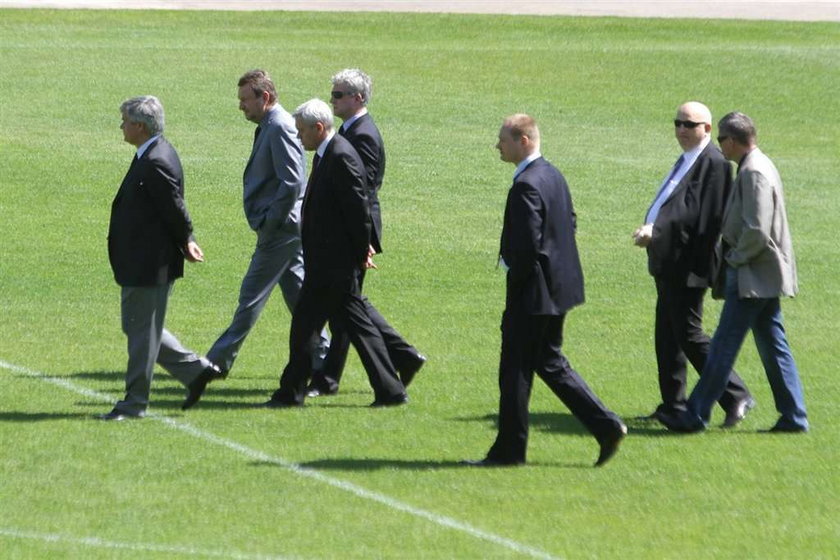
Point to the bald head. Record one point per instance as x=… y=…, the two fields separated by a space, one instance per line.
x=692 y=124
x=697 y=110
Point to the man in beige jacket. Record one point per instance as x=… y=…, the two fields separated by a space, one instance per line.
x=759 y=268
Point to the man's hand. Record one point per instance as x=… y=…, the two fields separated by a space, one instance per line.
x=194 y=252
x=369 y=261
x=642 y=235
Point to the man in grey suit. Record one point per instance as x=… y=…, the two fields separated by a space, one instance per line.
x=274 y=185
x=759 y=269
x=149 y=236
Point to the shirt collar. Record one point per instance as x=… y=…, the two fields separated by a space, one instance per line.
x=525 y=163
x=322 y=147
x=692 y=154
x=349 y=122
x=145 y=145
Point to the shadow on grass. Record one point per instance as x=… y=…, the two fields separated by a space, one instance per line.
x=412 y=465
x=648 y=427
x=552 y=422
x=566 y=423
x=378 y=464
x=12 y=416
x=214 y=391
x=206 y=404
x=99 y=375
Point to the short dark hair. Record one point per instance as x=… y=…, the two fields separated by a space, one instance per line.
x=737 y=126
x=260 y=82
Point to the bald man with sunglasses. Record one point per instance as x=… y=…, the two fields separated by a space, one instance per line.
x=680 y=230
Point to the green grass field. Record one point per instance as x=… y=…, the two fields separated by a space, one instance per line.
x=336 y=479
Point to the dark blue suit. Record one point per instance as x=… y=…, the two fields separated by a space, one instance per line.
x=544 y=282
x=365 y=138
x=682 y=245
x=335 y=232
x=150 y=225
x=148 y=233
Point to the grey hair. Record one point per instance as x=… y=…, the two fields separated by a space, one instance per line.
x=315 y=111
x=739 y=127
x=356 y=81
x=145 y=109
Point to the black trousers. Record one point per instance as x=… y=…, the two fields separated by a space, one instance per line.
x=532 y=343
x=679 y=339
x=402 y=354
x=335 y=297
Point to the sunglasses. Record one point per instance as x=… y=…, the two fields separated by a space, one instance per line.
x=720 y=139
x=688 y=124
x=340 y=94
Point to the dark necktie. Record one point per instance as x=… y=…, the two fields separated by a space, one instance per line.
x=675 y=169
x=341 y=131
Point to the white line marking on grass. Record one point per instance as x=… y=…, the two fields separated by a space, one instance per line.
x=257 y=455
x=96 y=542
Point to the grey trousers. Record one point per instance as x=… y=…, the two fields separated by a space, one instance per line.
x=277 y=260
x=143 y=314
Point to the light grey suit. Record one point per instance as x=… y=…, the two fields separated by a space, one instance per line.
x=755 y=229
x=759 y=269
x=274 y=185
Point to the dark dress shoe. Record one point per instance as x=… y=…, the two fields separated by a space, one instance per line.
x=680 y=421
x=196 y=389
x=738 y=412
x=646 y=417
x=117 y=416
x=407 y=373
x=488 y=462
x=398 y=400
x=609 y=445
x=277 y=403
x=787 y=429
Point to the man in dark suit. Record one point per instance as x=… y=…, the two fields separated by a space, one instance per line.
x=351 y=93
x=149 y=236
x=680 y=231
x=335 y=232
x=544 y=281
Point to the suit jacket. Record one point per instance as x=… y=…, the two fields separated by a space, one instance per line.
x=538 y=243
x=755 y=231
x=150 y=225
x=365 y=137
x=274 y=176
x=688 y=224
x=336 y=218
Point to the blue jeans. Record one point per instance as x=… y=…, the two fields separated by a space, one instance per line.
x=764 y=318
